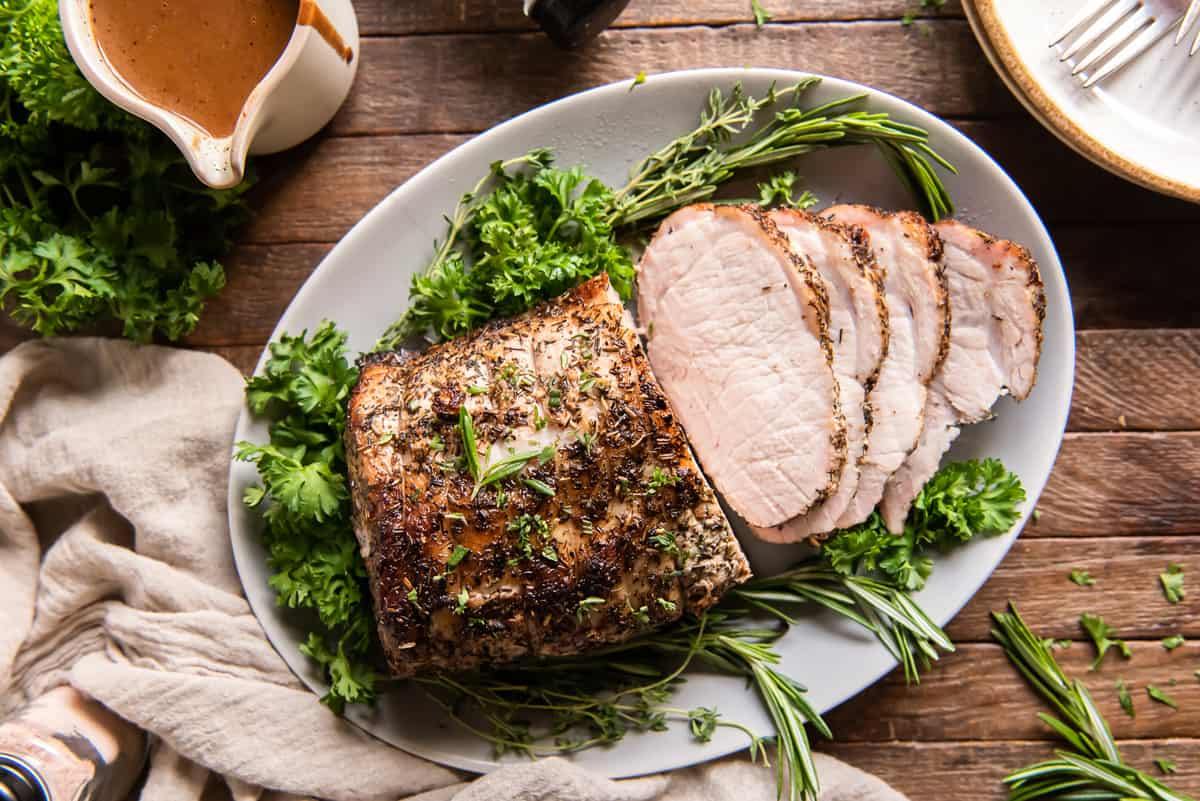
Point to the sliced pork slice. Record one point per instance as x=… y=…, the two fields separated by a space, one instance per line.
x=998 y=303
x=909 y=253
x=859 y=330
x=738 y=336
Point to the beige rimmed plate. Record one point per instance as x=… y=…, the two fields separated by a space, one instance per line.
x=1142 y=124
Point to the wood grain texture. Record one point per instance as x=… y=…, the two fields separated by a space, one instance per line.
x=424 y=84
x=377 y=17
x=973 y=770
x=1127 y=593
x=1136 y=380
x=1124 y=483
x=1003 y=707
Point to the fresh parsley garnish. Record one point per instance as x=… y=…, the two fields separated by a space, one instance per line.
x=101 y=219
x=1172 y=583
x=1083 y=578
x=962 y=499
x=313 y=555
x=1102 y=637
x=777 y=191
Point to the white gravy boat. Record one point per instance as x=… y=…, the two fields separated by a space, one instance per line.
x=294 y=100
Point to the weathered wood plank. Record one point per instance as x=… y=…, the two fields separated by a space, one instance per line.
x=931 y=771
x=1127 y=593
x=1124 y=483
x=260 y=283
x=975 y=694
x=1137 y=380
x=466 y=16
x=424 y=84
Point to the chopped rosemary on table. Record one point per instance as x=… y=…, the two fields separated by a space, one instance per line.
x=1092 y=767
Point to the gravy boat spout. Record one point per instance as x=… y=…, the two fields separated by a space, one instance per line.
x=297 y=96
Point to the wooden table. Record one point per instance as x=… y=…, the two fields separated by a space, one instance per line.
x=1125 y=495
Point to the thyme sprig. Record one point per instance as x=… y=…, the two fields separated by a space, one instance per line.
x=597 y=698
x=1093 y=767
x=691 y=168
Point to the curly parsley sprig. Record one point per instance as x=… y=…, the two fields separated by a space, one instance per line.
x=100 y=217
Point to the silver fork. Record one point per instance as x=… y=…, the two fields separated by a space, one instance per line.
x=1121 y=31
x=1193 y=11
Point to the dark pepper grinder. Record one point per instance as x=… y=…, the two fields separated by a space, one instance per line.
x=570 y=23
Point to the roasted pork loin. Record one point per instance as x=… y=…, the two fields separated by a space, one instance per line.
x=738 y=332
x=607 y=528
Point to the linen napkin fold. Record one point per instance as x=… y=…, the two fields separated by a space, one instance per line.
x=120 y=580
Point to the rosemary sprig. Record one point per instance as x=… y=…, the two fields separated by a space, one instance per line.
x=692 y=167
x=883 y=609
x=497 y=471
x=1093 y=768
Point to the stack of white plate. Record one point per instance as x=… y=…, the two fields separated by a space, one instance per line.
x=1142 y=123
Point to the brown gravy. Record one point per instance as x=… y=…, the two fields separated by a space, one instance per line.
x=198 y=58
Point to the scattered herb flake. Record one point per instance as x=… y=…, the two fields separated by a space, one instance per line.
x=1083 y=578
x=462 y=598
x=550 y=552
x=456 y=556
x=1102 y=636
x=1172 y=583
x=1125 y=699
x=477 y=389
x=668 y=606
x=1161 y=697
x=436 y=444
x=638 y=80
x=665 y=541
x=761 y=15
x=1173 y=642
x=1165 y=765
x=587 y=605
x=660 y=478
x=538 y=486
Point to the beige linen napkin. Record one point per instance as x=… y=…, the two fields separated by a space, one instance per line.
x=119 y=579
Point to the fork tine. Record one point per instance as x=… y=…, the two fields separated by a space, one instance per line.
x=1188 y=18
x=1135 y=48
x=1100 y=27
x=1087 y=12
x=1120 y=36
